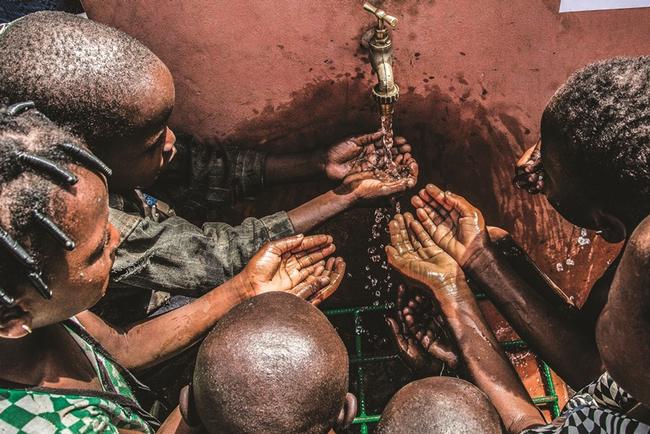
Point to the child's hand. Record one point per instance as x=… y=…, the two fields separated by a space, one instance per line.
x=450 y=220
x=284 y=264
x=529 y=172
x=413 y=253
x=420 y=336
x=341 y=157
x=334 y=270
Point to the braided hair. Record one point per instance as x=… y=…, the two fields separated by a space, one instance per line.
x=35 y=157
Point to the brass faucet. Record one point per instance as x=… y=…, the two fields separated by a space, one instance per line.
x=378 y=41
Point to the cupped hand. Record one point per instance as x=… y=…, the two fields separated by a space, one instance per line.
x=450 y=220
x=283 y=264
x=413 y=254
x=369 y=180
x=313 y=289
x=419 y=334
x=529 y=171
x=340 y=158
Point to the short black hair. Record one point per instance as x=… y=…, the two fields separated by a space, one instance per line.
x=80 y=73
x=439 y=405
x=26 y=188
x=273 y=364
x=599 y=121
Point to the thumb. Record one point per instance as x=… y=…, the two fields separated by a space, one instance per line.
x=285 y=245
x=367 y=139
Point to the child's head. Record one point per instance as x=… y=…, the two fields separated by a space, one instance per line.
x=439 y=405
x=273 y=364
x=596 y=146
x=55 y=240
x=104 y=85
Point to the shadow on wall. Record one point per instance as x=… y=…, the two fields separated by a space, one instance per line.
x=460 y=144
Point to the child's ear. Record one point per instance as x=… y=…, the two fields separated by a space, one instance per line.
x=15 y=323
x=187 y=407
x=347 y=413
x=612 y=229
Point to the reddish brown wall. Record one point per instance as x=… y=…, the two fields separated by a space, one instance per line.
x=475 y=75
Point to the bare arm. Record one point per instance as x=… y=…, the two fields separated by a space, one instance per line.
x=414 y=254
x=488 y=365
x=284 y=265
x=566 y=344
x=562 y=339
x=360 y=184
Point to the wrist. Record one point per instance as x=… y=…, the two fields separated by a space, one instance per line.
x=478 y=253
x=453 y=292
x=345 y=195
x=242 y=286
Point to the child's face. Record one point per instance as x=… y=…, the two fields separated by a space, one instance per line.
x=77 y=278
x=138 y=160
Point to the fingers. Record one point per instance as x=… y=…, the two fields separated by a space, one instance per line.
x=443 y=352
x=427 y=223
x=284 y=244
x=415 y=242
x=396 y=333
x=337 y=269
x=397 y=186
x=421 y=234
x=526 y=156
x=367 y=139
x=398 y=235
x=311 y=242
x=310 y=286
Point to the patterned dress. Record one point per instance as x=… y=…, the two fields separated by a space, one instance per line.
x=598 y=408
x=46 y=410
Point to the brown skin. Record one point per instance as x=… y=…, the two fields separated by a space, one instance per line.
x=485 y=361
x=440 y=405
x=622 y=330
x=360 y=185
x=420 y=334
x=49 y=357
x=139 y=159
x=559 y=337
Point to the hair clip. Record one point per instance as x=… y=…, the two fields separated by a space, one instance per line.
x=20 y=107
x=88 y=158
x=17 y=250
x=48 y=166
x=40 y=285
x=6 y=299
x=54 y=230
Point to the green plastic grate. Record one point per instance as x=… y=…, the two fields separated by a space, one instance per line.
x=359 y=359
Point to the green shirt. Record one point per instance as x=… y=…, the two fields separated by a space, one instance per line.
x=45 y=410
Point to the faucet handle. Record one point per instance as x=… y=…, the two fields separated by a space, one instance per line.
x=381 y=15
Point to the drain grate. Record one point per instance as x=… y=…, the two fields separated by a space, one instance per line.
x=359 y=359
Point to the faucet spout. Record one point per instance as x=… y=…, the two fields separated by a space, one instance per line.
x=379 y=44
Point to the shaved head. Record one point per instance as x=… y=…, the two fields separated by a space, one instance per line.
x=439 y=405
x=273 y=364
x=96 y=80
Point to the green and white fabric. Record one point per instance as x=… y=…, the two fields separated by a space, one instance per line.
x=45 y=410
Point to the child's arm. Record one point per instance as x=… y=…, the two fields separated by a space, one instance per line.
x=334 y=163
x=421 y=261
x=362 y=183
x=565 y=342
x=288 y=265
